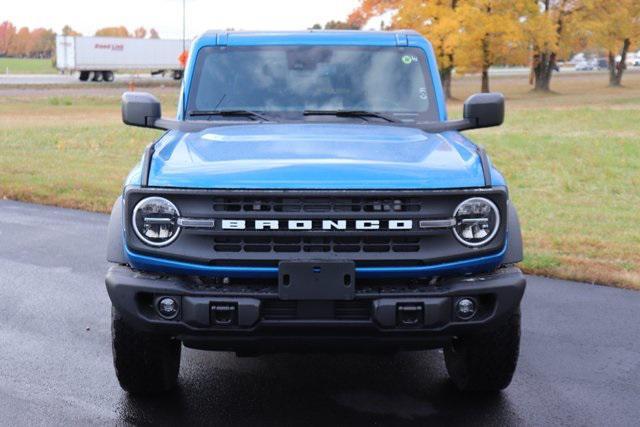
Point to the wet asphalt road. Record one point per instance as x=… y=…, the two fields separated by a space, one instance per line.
x=579 y=365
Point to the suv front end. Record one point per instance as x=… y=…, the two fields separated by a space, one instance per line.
x=264 y=233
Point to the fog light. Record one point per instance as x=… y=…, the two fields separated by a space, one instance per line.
x=466 y=308
x=168 y=307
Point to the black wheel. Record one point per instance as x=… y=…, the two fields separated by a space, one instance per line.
x=485 y=361
x=145 y=363
x=84 y=76
x=177 y=74
x=107 y=76
x=97 y=76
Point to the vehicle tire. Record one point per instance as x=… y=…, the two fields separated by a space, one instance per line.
x=97 y=76
x=177 y=74
x=145 y=363
x=84 y=76
x=485 y=361
x=107 y=76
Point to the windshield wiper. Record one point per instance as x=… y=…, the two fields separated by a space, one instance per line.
x=349 y=113
x=229 y=113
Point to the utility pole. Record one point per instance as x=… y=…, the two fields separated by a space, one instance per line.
x=184 y=25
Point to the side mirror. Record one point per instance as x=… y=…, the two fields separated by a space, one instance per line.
x=484 y=110
x=140 y=109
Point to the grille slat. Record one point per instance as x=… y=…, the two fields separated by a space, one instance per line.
x=317 y=205
x=322 y=244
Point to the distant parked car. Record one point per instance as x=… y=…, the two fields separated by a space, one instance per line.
x=602 y=63
x=584 y=66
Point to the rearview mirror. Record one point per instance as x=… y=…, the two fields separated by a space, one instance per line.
x=481 y=110
x=484 y=110
x=140 y=109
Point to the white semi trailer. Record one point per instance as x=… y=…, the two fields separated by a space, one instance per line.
x=97 y=58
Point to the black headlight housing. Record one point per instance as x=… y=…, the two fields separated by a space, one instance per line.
x=155 y=221
x=477 y=221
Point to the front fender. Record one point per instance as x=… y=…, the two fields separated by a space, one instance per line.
x=514 y=249
x=115 y=242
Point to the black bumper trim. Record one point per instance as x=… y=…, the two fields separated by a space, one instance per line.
x=502 y=289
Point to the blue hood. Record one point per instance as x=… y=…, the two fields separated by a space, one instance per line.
x=315 y=156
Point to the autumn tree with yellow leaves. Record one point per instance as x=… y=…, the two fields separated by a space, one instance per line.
x=613 y=27
x=370 y=8
x=120 y=31
x=469 y=35
x=473 y=35
x=437 y=19
x=440 y=20
x=491 y=32
x=550 y=32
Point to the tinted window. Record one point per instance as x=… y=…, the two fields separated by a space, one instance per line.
x=297 y=78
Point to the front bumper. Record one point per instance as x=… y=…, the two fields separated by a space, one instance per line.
x=261 y=322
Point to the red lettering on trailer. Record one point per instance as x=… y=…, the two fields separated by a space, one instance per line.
x=117 y=47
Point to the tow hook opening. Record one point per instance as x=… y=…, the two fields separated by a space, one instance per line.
x=224 y=314
x=410 y=315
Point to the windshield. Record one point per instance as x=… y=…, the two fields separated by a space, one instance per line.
x=283 y=79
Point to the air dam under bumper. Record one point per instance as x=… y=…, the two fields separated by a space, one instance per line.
x=252 y=319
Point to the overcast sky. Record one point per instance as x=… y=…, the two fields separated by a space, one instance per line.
x=166 y=15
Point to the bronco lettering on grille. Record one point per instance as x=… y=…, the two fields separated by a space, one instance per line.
x=300 y=224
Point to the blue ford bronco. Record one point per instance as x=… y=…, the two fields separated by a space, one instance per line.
x=311 y=195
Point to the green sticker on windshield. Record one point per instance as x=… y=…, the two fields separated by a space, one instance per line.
x=407 y=59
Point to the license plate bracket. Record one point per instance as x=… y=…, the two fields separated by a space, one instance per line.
x=316 y=280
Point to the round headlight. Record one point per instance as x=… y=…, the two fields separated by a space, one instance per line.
x=155 y=221
x=477 y=221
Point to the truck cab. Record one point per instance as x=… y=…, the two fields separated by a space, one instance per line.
x=312 y=195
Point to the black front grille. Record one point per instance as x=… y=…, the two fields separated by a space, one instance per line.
x=335 y=310
x=297 y=244
x=288 y=242
x=263 y=246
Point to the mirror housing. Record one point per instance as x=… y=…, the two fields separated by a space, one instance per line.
x=140 y=109
x=484 y=110
x=481 y=110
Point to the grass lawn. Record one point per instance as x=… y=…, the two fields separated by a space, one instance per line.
x=27 y=66
x=572 y=160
